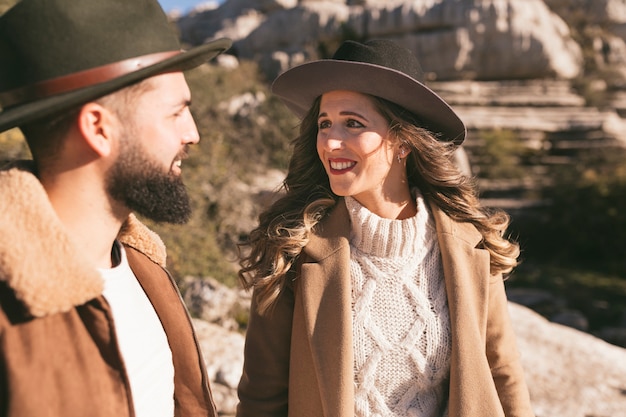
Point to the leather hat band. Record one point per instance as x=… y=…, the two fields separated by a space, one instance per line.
x=81 y=79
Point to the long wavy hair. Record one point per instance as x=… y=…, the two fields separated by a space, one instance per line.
x=284 y=228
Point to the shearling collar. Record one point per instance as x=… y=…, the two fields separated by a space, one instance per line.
x=39 y=261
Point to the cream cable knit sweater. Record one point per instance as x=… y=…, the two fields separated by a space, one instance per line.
x=401 y=325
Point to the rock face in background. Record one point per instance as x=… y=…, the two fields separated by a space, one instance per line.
x=480 y=40
x=502 y=64
x=513 y=65
x=549 y=120
x=569 y=373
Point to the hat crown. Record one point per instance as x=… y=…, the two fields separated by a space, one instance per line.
x=381 y=52
x=45 y=39
x=380 y=68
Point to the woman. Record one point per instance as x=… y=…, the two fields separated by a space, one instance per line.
x=377 y=276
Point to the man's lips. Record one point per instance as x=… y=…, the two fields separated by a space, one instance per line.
x=178 y=161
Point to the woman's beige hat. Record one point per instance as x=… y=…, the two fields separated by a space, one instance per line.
x=380 y=68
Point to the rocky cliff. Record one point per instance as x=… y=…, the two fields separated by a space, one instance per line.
x=550 y=72
x=478 y=40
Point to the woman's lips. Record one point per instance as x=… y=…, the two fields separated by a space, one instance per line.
x=340 y=165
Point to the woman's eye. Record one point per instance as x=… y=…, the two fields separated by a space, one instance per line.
x=324 y=124
x=354 y=123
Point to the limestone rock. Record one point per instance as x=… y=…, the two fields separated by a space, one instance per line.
x=294 y=30
x=479 y=39
x=223 y=354
x=569 y=373
x=213 y=302
x=496 y=39
x=595 y=11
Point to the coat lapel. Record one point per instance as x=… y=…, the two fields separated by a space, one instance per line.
x=465 y=264
x=326 y=297
x=466 y=272
x=325 y=290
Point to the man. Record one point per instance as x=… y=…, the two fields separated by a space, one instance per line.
x=91 y=324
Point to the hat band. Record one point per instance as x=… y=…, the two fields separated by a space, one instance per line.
x=81 y=79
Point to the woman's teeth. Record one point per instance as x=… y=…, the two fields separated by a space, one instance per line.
x=341 y=165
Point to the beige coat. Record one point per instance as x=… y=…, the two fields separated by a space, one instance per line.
x=58 y=351
x=299 y=359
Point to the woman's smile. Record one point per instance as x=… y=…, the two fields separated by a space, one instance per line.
x=340 y=165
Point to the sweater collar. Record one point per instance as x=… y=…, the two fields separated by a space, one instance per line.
x=62 y=279
x=333 y=232
x=391 y=238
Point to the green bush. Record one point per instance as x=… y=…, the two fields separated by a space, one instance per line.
x=500 y=155
x=600 y=296
x=584 y=220
x=13 y=145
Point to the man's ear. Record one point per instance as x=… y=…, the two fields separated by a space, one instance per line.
x=97 y=125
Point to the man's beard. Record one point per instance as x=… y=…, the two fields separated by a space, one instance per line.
x=142 y=186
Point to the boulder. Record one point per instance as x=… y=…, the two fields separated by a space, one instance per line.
x=223 y=354
x=480 y=39
x=493 y=40
x=569 y=373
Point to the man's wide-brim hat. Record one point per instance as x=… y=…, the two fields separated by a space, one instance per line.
x=380 y=68
x=58 y=54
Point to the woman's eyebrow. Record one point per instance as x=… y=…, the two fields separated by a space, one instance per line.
x=345 y=113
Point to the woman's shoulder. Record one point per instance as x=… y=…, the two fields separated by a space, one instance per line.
x=447 y=226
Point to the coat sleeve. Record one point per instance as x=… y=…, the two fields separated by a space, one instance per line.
x=503 y=356
x=263 y=388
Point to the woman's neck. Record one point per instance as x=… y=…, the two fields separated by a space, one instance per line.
x=398 y=208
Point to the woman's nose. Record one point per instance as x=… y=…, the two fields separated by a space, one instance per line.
x=332 y=139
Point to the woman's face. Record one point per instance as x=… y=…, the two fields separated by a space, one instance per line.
x=354 y=147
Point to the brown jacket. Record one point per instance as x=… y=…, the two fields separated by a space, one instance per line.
x=299 y=360
x=58 y=352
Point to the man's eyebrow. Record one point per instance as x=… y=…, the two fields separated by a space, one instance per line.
x=182 y=104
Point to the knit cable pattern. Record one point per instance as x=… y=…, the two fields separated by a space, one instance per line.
x=401 y=325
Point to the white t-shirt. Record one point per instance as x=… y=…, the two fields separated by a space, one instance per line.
x=141 y=340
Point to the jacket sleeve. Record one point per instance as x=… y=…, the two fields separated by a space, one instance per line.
x=503 y=356
x=263 y=388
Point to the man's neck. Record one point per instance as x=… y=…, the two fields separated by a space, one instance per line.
x=87 y=214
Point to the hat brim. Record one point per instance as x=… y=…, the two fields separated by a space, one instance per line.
x=31 y=111
x=298 y=87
